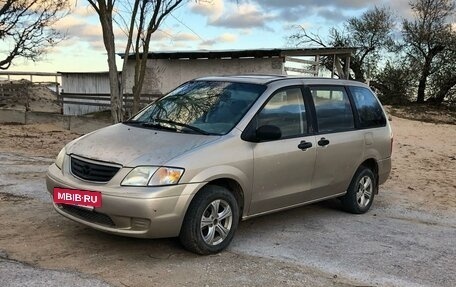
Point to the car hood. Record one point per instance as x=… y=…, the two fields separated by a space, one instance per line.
x=132 y=146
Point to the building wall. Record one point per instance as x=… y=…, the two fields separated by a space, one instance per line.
x=86 y=83
x=163 y=75
x=83 y=84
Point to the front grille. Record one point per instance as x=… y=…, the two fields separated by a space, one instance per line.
x=92 y=171
x=88 y=215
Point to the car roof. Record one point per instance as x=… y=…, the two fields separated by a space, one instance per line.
x=254 y=79
x=265 y=79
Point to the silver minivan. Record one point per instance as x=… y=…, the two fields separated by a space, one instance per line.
x=218 y=150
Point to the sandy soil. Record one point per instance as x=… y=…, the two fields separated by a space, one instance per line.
x=425 y=113
x=424 y=157
x=424 y=163
x=28 y=96
x=423 y=178
x=34 y=139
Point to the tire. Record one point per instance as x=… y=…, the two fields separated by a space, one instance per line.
x=205 y=231
x=360 y=193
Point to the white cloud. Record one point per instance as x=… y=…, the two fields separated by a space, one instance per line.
x=83 y=11
x=242 y=17
x=90 y=31
x=69 y=22
x=224 y=38
x=183 y=37
x=162 y=34
x=210 y=8
x=332 y=11
x=228 y=38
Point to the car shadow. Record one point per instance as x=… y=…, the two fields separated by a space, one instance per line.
x=170 y=248
x=308 y=218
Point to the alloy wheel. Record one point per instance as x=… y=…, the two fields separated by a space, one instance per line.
x=216 y=222
x=365 y=191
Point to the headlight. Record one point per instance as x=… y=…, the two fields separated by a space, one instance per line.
x=153 y=176
x=166 y=176
x=60 y=157
x=139 y=176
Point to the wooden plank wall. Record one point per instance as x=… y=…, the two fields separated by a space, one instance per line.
x=84 y=93
x=79 y=104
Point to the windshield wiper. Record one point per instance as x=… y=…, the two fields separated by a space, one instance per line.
x=193 y=128
x=157 y=125
x=131 y=122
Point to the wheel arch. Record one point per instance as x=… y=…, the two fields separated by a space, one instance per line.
x=372 y=164
x=234 y=187
x=231 y=185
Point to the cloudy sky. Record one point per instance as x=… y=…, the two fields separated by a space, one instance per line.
x=209 y=24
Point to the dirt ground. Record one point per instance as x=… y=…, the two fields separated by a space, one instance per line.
x=35 y=139
x=28 y=96
x=422 y=183
x=424 y=164
x=424 y=156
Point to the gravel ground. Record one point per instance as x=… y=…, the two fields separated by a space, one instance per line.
x=407 y=239
x=18 y=274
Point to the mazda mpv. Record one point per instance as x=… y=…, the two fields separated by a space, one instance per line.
x=218 y=150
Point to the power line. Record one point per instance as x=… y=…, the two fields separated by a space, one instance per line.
x=186 y=26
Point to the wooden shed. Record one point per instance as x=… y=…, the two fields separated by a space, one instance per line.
x=167 y=69
x=85 y=92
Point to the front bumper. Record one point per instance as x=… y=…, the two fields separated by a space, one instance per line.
x=146 y=212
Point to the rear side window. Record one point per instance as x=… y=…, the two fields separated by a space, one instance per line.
x=285 y=110
x=369 y=110
x=333 y=109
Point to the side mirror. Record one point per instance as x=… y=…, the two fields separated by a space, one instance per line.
x=268 y=133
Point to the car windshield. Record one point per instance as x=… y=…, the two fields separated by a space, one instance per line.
x=204 y=107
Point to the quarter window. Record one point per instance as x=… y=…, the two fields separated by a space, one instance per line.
x=333 y=109
x=369 y=111
x=285 y=110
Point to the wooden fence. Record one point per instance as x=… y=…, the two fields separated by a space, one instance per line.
x=75 y=93
x=78 y=103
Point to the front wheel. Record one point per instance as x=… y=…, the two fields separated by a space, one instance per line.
x=211 y=221
x=360 y=193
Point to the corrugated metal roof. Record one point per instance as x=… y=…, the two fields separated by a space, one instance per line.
x=254 y=53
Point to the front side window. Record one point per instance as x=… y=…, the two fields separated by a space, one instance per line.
x=286 y=111
x=369 y=111
x=333 y=109
x=206 y=107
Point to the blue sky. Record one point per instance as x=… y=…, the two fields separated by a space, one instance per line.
x=209 y=24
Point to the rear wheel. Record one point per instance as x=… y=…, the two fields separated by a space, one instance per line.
x=211 y=221
x=360 y=193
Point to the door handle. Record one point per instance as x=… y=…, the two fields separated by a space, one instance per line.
x=304 y=145
x=323 y=142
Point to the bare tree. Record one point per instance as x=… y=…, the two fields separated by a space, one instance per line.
x=427 y=36
x=370 y=33
x=26 y=28
x=104 y=9
x=140 y=23
x=148 y=17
